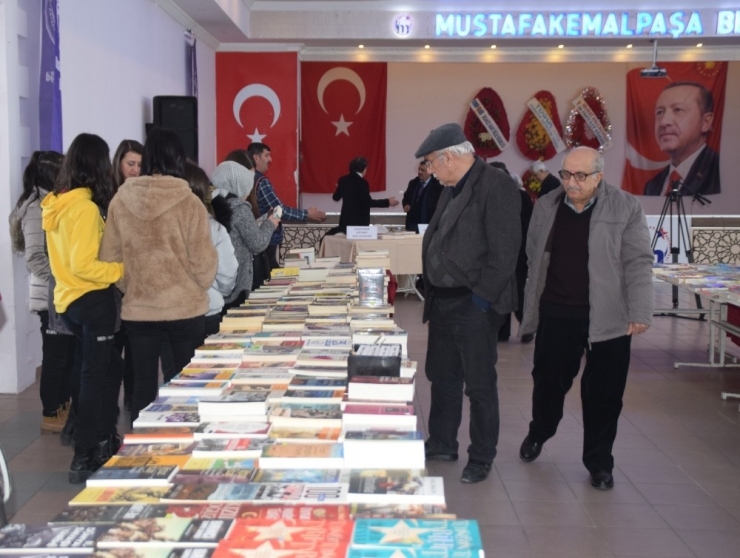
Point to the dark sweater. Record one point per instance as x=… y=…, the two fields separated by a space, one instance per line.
x=566 y=288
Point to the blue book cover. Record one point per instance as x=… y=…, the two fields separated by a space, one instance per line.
x=423 y=534
x=412 y=553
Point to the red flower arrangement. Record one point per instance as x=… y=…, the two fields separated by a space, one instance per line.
x=578 y=132
x=477 y=133
x=531 y=137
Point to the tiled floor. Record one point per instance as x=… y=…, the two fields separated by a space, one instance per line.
x=677 y=454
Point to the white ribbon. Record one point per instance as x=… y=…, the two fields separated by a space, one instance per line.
x=541 y=114
x=593 y=122
x=489 y=124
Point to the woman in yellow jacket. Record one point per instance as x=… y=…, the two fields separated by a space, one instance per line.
x=72 y=216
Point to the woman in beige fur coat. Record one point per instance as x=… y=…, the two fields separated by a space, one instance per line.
x=160 y=230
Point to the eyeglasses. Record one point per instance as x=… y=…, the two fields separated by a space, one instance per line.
x=579 y=176
x=428 y=162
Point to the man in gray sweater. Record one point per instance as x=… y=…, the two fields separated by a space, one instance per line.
x=589 y=290
x=469 y=256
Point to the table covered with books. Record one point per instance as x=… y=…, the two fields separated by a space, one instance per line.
x=263 y=445
x=720 y=284
x=404 y=250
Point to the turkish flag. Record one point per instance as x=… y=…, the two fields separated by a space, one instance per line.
x=644 y=158
x=257 y=100
x=342 y=117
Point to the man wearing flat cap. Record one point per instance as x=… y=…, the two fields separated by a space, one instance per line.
x=469 y=254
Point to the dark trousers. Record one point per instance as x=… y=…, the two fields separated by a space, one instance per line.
x=146 y=344
x=272 y=253
x=124 y=349
x=521 y=279
x=57 y=361
x=213 y=324
x=560 y=344
x=92 y=319
x=461 y=354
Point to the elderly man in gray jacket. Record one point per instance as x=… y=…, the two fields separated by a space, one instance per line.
x=589 y=290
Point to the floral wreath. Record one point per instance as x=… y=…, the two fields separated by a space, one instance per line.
x=531 y=137
x=577 y=132
x=531 y=184
x=477 y=133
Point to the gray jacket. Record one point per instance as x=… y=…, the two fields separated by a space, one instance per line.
x=228 y=266
x=619 y=263
x=37 y=260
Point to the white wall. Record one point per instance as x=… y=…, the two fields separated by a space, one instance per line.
x=421 y=96
x=114 y=58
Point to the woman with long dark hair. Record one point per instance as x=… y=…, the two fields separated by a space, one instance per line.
x=57 y=350
x=160 y=231
x=84 y=295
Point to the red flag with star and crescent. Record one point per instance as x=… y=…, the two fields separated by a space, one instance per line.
x=257 y=100
x=342 y=117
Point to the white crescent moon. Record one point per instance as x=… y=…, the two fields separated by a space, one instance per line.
x=256 y=90
x=336 y=74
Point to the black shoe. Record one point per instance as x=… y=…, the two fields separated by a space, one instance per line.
x=602 y=480
x=530 y=450
x=107 y=448
x=438 y=456
x=83 y=466
x=528 y=338
x=475 y=471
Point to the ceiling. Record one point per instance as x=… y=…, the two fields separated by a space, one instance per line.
x=333 y=29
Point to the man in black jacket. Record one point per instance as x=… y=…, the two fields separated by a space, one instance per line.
x=469 y=255
x=354 y=191
x=420 y=199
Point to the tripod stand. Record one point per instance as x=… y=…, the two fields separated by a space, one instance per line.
x=674 y=197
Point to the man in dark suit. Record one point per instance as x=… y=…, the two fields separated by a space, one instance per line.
x=684 y=113
x=469 y=255
x=354 y=191
x=420 y=199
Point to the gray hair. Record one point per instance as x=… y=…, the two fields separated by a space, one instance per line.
x=598 y=163
x=539 y=166
x=464 y=148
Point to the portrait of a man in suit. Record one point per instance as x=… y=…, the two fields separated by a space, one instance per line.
x=684 y=115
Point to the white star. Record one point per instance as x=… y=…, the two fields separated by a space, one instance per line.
x=256 y=136
x=401 y=533
x=278 y=530
x=265 y=550
x=342 y=125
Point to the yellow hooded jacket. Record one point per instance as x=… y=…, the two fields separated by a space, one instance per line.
x=74 y=228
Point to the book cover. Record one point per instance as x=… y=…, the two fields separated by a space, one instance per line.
x=231 y=447
x=412 y=553
x=167 y=417
x=274 y=548
x=304 y=512
x=300 y=435
x=155 y=450
x=206 y=463
x=425 y=534
x=190 y=389
x=126 y=462
x=258 y=492
x=304 y=415
x=165 y=532
x=290 y=530
x=310 y=382
x=302 y=476
x=227 y=429
x=95 y=496
x=133 y=476
x=195 y=375
x=213 y=476
x=400 y=511
x=382 y=434
x=73 y=539
x=395 y=486
x=300 y=451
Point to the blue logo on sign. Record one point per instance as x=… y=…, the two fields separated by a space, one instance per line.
x=402 y=25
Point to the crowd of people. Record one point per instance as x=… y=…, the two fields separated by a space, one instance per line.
x=133 y=262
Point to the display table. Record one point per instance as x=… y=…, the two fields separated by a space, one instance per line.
x=404 y=251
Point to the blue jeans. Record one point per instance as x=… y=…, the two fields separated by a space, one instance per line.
x=461 y=355
x=146 y=345
x=92 y=319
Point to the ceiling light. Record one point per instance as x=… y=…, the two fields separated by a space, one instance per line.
x=699 y=45
x=493 y=46
x=427 y=46
x=629 y=46
x=561 y=46
x=361 y=46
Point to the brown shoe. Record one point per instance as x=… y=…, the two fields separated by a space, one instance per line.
x=55 y=424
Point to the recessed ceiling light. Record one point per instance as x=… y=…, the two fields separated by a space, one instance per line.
x=629 y=46
x=427 y=46
x=361 y=46
x=561 y=46
x=699 y=45
x=493 y=46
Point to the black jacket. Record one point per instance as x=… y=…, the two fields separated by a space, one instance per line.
x=703 y=177
x=354 y=191
x=548 y=185
x=430 y=197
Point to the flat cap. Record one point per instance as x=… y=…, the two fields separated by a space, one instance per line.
x=439 y=138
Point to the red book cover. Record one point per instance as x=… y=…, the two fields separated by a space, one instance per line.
x=289 y=530
x=281 y=549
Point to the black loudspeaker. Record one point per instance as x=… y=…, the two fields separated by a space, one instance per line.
x=179 y=114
